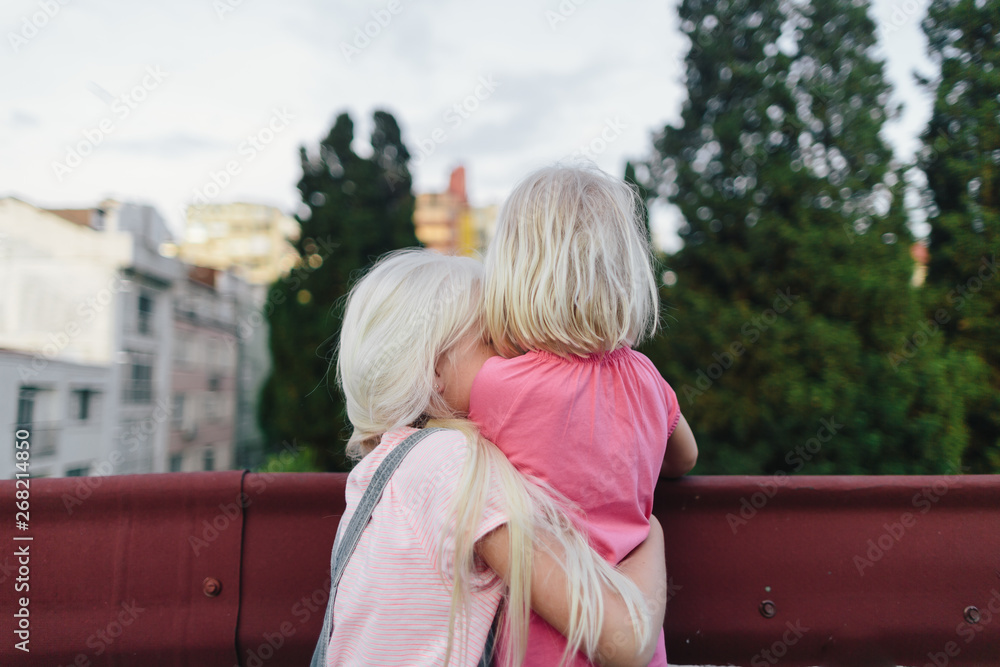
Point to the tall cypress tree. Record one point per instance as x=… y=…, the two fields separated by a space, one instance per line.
x=961 y=158
x=356 y=209
x=792 y=293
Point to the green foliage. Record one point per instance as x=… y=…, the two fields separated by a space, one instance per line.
x=795 y=341
x=961 y=158
x=291 y=459
x=357 y=208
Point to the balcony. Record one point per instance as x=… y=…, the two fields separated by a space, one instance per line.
x=44 y=438
x=231 y=568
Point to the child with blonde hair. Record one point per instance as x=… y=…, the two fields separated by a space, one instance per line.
x=455 y=521
x=569 y=290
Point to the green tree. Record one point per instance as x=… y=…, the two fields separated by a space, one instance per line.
x=355 y=209
x=792 y=325
x=290 y=459
x=961 y=158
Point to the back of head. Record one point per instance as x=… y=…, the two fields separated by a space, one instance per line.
x=569 y=270
x=407 y=311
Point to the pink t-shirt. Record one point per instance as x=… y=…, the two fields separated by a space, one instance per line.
x=393 y=601
x=594 y=428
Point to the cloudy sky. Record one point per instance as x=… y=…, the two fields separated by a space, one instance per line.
x=153 y=102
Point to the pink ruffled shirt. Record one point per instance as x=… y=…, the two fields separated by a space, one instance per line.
x=594 y=428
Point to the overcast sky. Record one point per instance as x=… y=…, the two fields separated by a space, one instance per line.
x=162 y=97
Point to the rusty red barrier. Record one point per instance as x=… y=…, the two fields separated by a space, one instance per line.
x=231 y=568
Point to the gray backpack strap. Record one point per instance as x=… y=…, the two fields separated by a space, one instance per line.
x=347 y=538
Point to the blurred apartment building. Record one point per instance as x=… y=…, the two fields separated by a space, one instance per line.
x=85 y=331
x=205 y=364
x=447 y=223
x=252 y=240
x=90 y=314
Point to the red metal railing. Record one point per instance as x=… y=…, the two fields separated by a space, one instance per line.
x=231 y=568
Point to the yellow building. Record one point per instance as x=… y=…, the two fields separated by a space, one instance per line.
x=444 y=221
x=251 y=239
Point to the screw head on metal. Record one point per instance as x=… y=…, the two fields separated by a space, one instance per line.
x=972 y=614
x=767 y=609
x=211 y=586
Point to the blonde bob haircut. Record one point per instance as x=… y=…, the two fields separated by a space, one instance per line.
x=569 y=270
x=410 y=309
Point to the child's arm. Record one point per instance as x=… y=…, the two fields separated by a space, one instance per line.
x=682 y=451
x=645 y=566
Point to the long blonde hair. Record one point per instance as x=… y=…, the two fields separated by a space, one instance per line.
x=569 y=270
x=405 y=314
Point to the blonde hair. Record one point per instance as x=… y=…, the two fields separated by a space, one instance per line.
x=569 y=270
x=410 y=310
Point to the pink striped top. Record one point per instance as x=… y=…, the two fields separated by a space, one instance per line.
x=393 y=601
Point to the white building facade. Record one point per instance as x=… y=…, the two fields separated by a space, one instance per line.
x=63 y=407
x=86 y=291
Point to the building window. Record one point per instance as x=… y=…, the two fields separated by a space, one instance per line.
x=182 y=351
x=25 y=407
x=138 y=384
x=179 y=351
x=177 y=417
x=144 y=324
x=186 y=350
x=135 y=445
x=209 y=459
x=78 y=472
x=211 y=403
x=83 y=404
x=175 y=462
